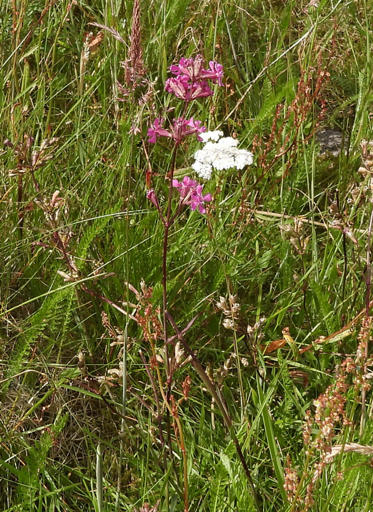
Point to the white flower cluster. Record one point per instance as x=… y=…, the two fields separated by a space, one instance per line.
x=219 y=153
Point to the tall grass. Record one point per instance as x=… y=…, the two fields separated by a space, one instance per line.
x=83 y=423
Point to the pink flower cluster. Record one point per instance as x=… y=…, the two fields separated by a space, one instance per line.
x=191 y=193
x=180 y=128
x=190 y=80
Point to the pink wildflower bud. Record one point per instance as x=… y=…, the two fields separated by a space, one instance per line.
x=151 y=195
x=188 y=91
x=200 y=89
x=181 y=68
x=197 y=200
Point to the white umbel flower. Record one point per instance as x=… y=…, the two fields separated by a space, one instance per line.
x=215 y=135
x=219 y=153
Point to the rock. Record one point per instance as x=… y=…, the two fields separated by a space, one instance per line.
x=331 y=141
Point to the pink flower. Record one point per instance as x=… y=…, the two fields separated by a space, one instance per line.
x=191 y=193
x=177 y=86
x=190 y=68
x=191 y=78
x=156 y=130
x=215 y=73
x=188 y=91
x=184 y=127
x=180 y=128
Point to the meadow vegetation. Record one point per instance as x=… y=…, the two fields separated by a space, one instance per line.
x=167 y=348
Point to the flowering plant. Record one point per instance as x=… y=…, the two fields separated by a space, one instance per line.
x=191 y=80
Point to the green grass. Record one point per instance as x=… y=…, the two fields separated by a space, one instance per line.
x=70 y=443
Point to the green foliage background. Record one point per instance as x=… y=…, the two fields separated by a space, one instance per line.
x=52 y=421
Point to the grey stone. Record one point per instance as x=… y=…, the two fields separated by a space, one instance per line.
x=330 y=141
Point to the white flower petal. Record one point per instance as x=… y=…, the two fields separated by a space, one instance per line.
x=215 y=135
x=220 y=155
x=227 y=142
x=203 y=170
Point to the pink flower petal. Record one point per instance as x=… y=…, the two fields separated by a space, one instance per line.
x=191 y=194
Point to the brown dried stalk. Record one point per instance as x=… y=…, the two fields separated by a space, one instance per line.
x=29 y=159
x=319 y=430
x=134 y=66
x=37 y=22
x=282 y=141
x=367 y=169
x=322 y=425
x=347 y=448
x=111 y=31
